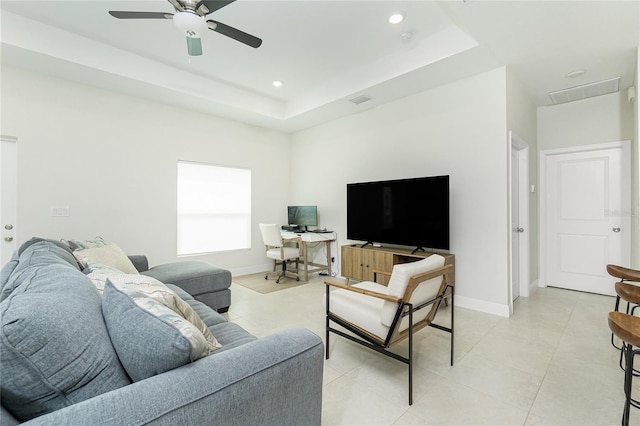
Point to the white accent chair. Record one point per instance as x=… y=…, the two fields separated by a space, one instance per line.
x=276 y=249
x=378 y=316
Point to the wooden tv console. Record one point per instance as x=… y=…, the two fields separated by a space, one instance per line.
x=364 y=263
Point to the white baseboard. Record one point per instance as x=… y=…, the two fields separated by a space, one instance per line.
x=482 y=306
x=533 y=287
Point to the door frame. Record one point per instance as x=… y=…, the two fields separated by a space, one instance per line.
x=625 y=146
x=516 y=143
x=12 y=213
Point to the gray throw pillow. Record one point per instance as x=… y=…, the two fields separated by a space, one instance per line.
x=149 y=337
x=54 y=346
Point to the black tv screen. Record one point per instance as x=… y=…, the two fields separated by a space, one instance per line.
x=410 y=212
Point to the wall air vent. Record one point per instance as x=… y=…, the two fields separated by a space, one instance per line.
x=585 y=91
x=360 y=99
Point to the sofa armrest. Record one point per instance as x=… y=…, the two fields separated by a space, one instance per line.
x=139 y=261
x=273 y=380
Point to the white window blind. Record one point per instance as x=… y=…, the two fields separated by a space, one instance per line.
x=214 y=208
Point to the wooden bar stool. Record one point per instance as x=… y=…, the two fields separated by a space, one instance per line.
x=625 y=289
x=627 y=328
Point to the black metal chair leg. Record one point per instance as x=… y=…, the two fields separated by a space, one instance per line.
x=410 y=355
x=327 y=325
x=452 y=290
x=628 y=377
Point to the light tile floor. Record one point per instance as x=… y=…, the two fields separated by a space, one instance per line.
x=551 y=363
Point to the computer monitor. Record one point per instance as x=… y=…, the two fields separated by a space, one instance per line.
x=302 y=216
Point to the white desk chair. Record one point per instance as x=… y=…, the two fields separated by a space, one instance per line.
x=275 y=248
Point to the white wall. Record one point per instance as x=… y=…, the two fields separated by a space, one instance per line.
x=112 y=160
x=458 y=129
x=606 y=118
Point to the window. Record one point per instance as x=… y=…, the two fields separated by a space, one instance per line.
x=214 y=208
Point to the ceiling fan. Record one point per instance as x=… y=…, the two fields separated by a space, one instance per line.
x=190 y=19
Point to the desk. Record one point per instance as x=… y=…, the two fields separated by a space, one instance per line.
x=308 y=238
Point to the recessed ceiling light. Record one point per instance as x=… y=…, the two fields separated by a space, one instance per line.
x=278 y=83
x=574 y=74
x=396 y=18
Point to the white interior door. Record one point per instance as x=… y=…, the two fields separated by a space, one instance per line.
x=586 y=195
x=8 y=197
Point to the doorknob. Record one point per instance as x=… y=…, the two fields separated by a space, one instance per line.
x=8 y=239
x=8 y=227
x=616 y=229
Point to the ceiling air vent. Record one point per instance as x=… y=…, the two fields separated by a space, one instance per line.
x=585 y=91
x=360 y=99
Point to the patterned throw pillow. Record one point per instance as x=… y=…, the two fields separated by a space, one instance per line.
x=84 y=244
x=110 y=255
x=148 y=336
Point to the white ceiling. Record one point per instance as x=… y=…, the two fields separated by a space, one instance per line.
x=326 y=52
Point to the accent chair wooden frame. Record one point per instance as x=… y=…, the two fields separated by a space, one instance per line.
x=404 y=309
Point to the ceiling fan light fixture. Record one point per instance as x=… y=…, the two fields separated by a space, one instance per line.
x=191 y=24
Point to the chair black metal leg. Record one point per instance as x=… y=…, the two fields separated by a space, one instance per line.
x=452 y=340
x=628 y=377
x=327 y=324
x=410 y=355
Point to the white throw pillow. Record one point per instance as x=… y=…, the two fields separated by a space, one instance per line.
x=110 y=255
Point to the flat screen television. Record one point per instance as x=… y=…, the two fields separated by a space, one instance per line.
x=408 y=212
x=302 y=216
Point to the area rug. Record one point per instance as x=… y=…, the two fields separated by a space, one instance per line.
x=256 y=282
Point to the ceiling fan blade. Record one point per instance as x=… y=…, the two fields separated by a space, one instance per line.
x=234 y=33
x=194 y=46
x=139 y=15
x=214 y=5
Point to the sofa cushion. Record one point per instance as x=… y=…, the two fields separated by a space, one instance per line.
x=149 y=337
x=207 y=315
x=7 y=270
x=54 y=346
x=110 y=255
x=231 y=335
x=36 y=252
x=193 y=276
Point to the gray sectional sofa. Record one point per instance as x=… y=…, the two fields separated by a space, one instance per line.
x=206 y=283
x=62 y=363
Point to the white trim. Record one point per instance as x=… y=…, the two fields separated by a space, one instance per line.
x=625 y=146
x=519 y=144
x=482 y=306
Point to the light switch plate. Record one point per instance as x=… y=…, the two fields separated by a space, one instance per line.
x=60 y=211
